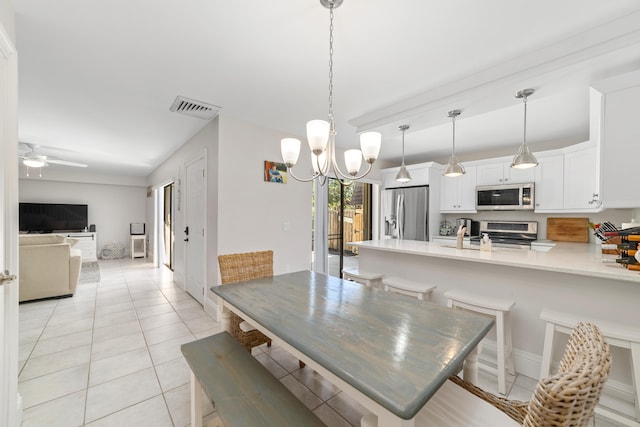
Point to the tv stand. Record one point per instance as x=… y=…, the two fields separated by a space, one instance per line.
x=87 y=243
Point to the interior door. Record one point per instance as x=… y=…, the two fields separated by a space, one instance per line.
x=8 y=232
x=194 y=229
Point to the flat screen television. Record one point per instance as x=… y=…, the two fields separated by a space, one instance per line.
x=52 y=217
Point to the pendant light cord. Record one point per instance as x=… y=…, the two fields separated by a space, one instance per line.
x=524 y=137
x=453 y=145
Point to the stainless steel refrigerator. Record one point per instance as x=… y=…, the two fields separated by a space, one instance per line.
x=405 y=213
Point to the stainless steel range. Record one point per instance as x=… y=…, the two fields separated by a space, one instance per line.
x=508 y=234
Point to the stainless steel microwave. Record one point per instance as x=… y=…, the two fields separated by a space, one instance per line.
x=506 y=197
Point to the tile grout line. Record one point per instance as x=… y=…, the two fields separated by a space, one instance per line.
x=93 y=328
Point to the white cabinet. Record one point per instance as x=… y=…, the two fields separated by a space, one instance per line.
x=581 y=179
x=616 y=105
x=503 y=173
x=549 y=183
x=419 y=176
x=87 y=243
x=459 y=194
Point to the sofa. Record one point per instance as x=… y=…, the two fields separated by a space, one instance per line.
x=49 y=266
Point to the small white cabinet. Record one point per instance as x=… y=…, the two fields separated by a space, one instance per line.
x=502 y=173
x=87 y=243
x=457 y=195
x=549 y=183
x=581 y=179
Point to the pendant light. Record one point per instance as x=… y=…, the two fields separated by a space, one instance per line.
x=453 y=168
x=403 y=175
x=523 y=158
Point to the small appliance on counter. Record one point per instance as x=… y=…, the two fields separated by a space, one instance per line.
x=472 y=227
x=509 y=234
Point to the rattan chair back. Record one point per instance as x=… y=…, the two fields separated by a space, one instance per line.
x=245 y=266
x=239 y=268
x=569 y=397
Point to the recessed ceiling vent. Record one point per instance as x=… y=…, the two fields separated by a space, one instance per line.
x=192 y=108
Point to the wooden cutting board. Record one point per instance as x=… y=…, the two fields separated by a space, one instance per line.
x=568 y=229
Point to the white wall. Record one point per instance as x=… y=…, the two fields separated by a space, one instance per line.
x=254 y=215
x=7 y=18
x=244 y=213
x=110 y=207
x=173 y=170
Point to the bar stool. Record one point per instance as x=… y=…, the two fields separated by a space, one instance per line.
x=408 y=287
x=364 y=278
x=500 y=310
x=616 y=335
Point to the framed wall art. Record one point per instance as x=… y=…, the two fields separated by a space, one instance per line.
x=275 y=172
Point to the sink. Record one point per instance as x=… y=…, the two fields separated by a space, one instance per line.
x=473 y=247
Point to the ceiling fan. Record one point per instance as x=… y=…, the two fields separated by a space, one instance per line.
x=35 y=159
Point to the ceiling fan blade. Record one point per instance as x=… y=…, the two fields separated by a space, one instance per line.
x=66 y=163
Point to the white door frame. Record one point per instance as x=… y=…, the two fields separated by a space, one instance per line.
x=202 y=155
x=9 y=414
x=158 y=220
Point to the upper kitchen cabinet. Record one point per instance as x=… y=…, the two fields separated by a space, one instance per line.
x=549 y=182
x=458 y=195
x=421 y=174
x=502 y=173
x=581 y=178
x=615 y=107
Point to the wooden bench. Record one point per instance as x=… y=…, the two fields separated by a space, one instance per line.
x=244 y=392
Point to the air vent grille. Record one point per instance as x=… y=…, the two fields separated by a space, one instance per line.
x=192 y=108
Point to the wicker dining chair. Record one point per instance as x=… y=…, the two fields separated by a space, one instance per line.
x=567 y=398
x=239 y=268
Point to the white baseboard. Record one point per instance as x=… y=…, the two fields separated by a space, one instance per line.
x=211 y=308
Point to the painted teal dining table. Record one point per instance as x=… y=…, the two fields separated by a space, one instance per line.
x=389 y=352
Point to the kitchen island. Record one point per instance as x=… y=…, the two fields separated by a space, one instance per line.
x=569 y=278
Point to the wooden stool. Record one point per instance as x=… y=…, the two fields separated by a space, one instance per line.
x=499 y=309
x=408 y=287
x=365 y=278
x=616 y=335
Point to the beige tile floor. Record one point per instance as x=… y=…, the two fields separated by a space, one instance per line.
x=110 y=356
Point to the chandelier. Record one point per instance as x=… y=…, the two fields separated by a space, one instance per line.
x=321 y=136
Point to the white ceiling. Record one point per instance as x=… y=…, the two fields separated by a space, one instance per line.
x=97 y=78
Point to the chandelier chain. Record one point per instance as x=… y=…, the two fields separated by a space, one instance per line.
x=331 y=5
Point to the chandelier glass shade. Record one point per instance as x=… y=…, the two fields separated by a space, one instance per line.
x=321 y=136
x=524 y=159
x=453 y=168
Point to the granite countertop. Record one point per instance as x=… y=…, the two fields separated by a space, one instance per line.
x=572 y=258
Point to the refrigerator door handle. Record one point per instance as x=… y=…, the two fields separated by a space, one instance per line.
x=400 y=216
